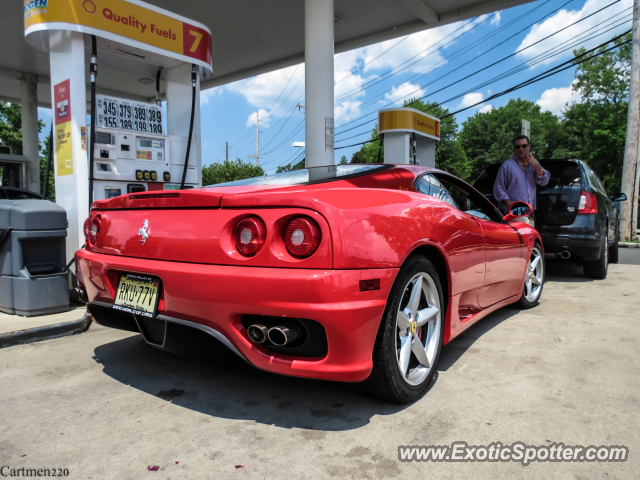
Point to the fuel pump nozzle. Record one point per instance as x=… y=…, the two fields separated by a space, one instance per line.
x=194 y=82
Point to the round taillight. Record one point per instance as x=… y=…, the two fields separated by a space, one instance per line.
x=302 y=237
x=91 y=229
x=250 y=236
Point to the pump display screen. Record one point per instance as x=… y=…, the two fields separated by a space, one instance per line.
x=103 y=138
x=128 y=115
x=149 y=149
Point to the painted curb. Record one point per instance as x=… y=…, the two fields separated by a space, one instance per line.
x=37 y=334
x=628 y=245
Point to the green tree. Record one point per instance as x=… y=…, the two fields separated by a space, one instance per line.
x=343 y=160
x=228 y=171
x=291 y=166
x=487 y=138
x=44 y=155
x=368 y=153
x=596 y=127
x=11 y=135
x=11 y=126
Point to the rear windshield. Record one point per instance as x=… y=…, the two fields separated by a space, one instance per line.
x=563 y=174
x=309 y=175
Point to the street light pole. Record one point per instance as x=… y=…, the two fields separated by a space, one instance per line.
x=630 y=171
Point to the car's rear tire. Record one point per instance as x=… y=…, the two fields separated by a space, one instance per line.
x=598 y=268
x=409 y=340
x=534 y=280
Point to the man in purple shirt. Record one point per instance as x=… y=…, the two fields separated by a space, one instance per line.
x=518 y=176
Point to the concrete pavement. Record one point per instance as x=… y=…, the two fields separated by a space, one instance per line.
x=105 y=405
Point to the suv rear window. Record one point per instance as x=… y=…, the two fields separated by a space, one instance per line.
x=563 y=174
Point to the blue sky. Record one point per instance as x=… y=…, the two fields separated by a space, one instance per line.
x=382 y=75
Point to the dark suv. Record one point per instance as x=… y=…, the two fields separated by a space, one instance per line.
x=574 y=215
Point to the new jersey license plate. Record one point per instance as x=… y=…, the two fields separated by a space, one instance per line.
x=137 y=294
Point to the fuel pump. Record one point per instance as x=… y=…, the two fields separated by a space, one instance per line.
x=409 y=136
x=133 y=144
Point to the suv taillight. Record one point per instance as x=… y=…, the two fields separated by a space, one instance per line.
x=91 y=229
x=302 y=237
x=588 y=203
x=250 y=234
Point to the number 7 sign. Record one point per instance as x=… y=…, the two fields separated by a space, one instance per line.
x=196 y=43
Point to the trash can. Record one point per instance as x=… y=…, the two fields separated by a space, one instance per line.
x=33 y=280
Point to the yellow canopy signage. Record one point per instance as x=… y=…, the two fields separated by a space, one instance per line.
x=408 y=120
x=130 y=22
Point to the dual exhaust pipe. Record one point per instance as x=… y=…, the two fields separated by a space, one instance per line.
x=279 y=336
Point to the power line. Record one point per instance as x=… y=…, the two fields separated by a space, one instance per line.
x=371 y=61
x=378 y=80
x=572 y=63
x=546 y=74
x=465 y=49
x=474 y=73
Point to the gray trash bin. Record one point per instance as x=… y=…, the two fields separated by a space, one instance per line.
x=33 y=280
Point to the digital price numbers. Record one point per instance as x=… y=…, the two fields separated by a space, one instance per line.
x=128 y=115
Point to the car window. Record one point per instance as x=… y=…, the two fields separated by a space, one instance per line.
x=432 y=187
x=599 y=183
x=469 y=200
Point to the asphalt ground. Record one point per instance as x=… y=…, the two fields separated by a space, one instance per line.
x=103 y=404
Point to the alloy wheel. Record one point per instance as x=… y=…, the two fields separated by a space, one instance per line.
x=535 y=276
x=418 y=326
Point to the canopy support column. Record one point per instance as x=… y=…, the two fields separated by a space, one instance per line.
x=318 y=21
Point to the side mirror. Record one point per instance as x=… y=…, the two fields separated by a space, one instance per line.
x=518 y=209
x=619 y=198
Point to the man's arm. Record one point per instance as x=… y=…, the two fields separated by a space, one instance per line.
x=542 y=176
x=500 y=187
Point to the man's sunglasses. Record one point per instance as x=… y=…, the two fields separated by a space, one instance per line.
x=517 y=147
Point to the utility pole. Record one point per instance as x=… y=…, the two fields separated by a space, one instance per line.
x=227 y=157
x=257 y=155
x=630 y=180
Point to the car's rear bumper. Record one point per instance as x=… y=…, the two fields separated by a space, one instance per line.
x=581 y=238
x=217 y=297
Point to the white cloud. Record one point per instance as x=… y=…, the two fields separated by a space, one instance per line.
x=496 y=20
x=346 y=111
x=262 y=91
x=485 y=109
x=404 y=90
x=206 y=95
x=564 y=18
x=555 y=99
x=471 y=99
x=264 y=119
x=417 y=45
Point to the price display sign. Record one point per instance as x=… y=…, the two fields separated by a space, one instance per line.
x=128 y=115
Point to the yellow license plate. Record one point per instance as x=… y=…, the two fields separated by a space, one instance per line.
x=137 y=294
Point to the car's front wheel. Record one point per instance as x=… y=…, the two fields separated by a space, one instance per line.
x=534 y=279
x=409 y=340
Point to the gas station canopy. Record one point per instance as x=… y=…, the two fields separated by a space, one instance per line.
x=248 y=38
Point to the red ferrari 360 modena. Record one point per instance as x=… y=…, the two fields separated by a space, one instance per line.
x=354 y=273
